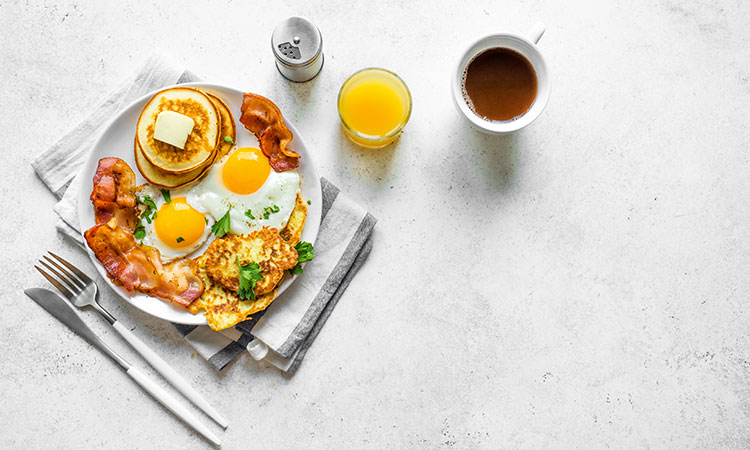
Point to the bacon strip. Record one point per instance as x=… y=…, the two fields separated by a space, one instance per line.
x=113 y=194
x=139 y=268
x=270 y=146
x=134 y=266
x=263 y=118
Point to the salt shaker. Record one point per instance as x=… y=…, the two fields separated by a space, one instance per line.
x=298 y=47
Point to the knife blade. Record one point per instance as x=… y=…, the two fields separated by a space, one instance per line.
x=66 y=313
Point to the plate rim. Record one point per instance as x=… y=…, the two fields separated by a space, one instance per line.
x=192 y=319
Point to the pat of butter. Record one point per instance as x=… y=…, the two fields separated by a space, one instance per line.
x=173 y=128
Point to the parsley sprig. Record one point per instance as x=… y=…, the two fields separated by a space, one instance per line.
x=166 y=195
x=221 y=227
x=305 y=253
x=249 y=276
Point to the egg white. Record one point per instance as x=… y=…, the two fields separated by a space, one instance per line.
x=280 y=189
x=168 y=252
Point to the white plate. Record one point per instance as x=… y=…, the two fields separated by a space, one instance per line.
x=117 y=141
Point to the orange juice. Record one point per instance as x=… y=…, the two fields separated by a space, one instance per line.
x=374 y=105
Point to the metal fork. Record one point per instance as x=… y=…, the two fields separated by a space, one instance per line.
x=82 y=291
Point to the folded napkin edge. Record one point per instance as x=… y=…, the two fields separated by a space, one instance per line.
x=338 y=274
x=328 y=309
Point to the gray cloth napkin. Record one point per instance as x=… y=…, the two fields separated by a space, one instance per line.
x=282 y=333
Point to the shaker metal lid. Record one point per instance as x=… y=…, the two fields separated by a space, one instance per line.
x=296 y=41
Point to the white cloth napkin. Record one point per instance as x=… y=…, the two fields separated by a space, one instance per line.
x=281 y=334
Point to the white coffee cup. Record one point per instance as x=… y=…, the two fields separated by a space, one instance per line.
x=526 y=46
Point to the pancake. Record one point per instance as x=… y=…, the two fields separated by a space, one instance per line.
x=227 y=127
x=158 y=177
x=264 y=247
x=223 y=308
x=202 y=142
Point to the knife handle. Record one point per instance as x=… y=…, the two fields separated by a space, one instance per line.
x=171 y=403
x=174 y=378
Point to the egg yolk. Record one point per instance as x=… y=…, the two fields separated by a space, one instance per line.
x=178 y=224
x=245 y=170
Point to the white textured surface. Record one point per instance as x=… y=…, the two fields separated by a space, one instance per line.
x=581 y=284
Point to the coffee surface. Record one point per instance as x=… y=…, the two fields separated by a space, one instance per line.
x=499 y=84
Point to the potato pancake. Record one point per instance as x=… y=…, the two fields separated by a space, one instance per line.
x=264 y=247
x=223 y=308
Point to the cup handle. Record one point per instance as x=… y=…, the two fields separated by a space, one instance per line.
x=536 y=32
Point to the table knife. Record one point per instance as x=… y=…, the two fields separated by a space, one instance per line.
x=66 y=313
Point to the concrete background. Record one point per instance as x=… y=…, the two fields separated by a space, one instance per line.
x=580 y=284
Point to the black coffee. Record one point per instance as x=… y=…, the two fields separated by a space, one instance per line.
x=499 y=84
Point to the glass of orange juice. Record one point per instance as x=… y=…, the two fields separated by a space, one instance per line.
x=374 y=105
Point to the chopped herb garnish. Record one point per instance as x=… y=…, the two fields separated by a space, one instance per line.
x=249 y=214
x=221 y=227
x=166 y=195
x=305 y=253
x=146 y=200
x=180 y=239
x=140 y=231
x=228 y=139
x=309 y=202
x=150 y=212
x=206 y=219
x=249 y=275
x=268 y=210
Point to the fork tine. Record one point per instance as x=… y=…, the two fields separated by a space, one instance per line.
x=56 y=283
x=73 y=268
x=72 y=286
x=78 y=283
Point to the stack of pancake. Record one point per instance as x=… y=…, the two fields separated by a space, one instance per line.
x=171 y=167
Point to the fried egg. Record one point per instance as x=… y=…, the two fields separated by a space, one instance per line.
x=244 y=184
x=179 y=226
